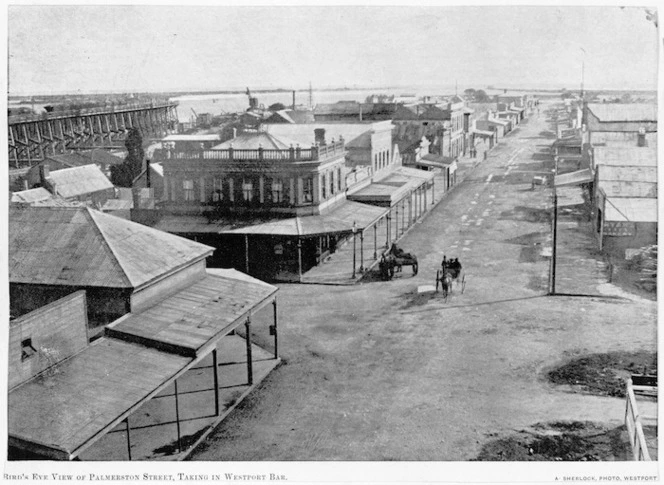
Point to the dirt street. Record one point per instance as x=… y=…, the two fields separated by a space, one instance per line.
x=376 y=372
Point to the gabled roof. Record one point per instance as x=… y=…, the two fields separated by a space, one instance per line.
x=407 y=112
x=32 y=195
x=626 y=174
x=304 y=133
x=611 y=112
x=76 y=181
x=79 y=246
x=625 y=156
x=255 y=140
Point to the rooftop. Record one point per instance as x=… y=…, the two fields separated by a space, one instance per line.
x=79 y=246
x=260 y=139
x=628 y=209
x=625 y=156
x=94 y=390
x=608 y=112
x=627 y=174
x=32 y=195
x=76 y=181
x=304 y=133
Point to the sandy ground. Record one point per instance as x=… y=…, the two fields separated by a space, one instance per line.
x=376 y=372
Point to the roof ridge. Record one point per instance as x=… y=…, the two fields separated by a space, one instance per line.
x=108 y=246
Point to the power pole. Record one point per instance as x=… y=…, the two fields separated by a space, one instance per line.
x=552 y=290
x=311 y=97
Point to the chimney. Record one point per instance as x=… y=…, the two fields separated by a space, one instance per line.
x=293 y=100
x=319 y=136
x=641 y=138
x=44 y=173
x=147 y=173
x=234 y=132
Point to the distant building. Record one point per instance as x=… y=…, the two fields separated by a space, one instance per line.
x=291 y=116
x=352 y=111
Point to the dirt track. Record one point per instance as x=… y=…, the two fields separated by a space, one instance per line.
x=374 y=373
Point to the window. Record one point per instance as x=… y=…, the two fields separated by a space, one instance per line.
x=217 y=189
x=308 y=190
x=27 y=350
x=323 y=187
x=331 y=183
x=339 y=179
x=247 y=190
x=277 y=190
x=188 y=187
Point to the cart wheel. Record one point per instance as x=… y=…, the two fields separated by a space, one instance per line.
x=414 y=268
x=437 y=279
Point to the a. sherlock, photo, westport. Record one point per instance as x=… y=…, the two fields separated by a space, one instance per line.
x=323 y=234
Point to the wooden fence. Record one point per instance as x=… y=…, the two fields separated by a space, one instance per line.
x=637 y=438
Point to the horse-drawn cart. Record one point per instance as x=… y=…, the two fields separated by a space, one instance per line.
x=448 y=277
x=394 y=260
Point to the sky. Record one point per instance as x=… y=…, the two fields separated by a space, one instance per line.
x=85 y=48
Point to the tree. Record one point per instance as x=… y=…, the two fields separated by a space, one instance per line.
x=124 y=174
x=470 y=92
x=481 y=96
x=276 y=107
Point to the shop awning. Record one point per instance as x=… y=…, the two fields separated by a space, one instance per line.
x=573 y=178
x=341 y=219
x=66 y=409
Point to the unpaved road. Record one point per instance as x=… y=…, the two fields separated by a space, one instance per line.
x=372 y=373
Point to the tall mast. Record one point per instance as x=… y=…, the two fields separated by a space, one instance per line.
x=311 y=96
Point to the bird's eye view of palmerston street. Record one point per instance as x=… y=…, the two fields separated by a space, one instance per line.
x=368 y=234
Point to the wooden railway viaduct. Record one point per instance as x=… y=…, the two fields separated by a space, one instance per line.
x=34 y=137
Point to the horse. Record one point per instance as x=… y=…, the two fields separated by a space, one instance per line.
x=445 y=279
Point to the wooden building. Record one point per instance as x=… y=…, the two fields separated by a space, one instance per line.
x=617 y=123
x=85 y=183
x=86 y=394
x=122 y=265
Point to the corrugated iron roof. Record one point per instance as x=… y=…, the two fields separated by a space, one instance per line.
x=86 y=394
x=616 y=188
x=79 y=246
x=483 y=132
x=573 y=178
x=625 y=156
x=339 y=219
x=304 y=133
x=254 y=141
x=77 y=181
x=65 y=409
x=630 y=173
x=32 y=195
x=609 y=112
x=190 y=318
x=628 y=209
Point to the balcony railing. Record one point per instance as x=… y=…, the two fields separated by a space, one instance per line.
x=295 y=154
